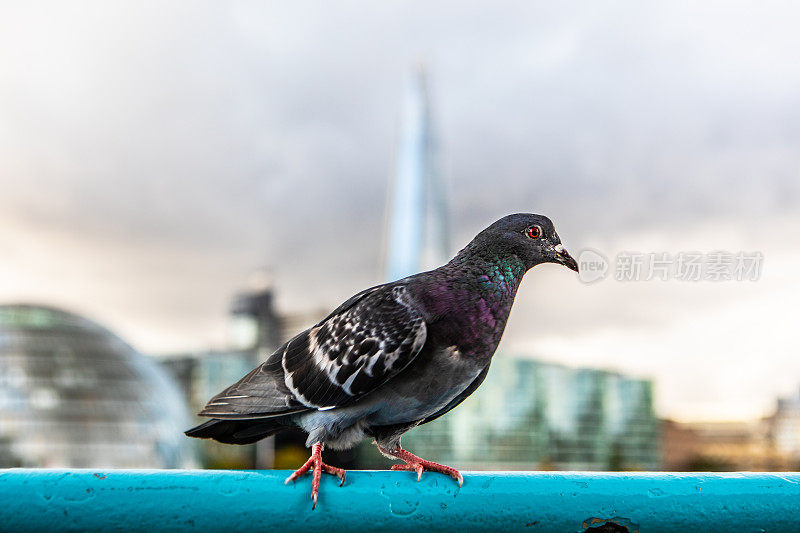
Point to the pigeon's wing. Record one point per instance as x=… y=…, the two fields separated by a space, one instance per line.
x=353 y=352
x=366 y=341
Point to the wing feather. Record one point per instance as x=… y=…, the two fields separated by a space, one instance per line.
x=353 y=352
x=261 y=393
x=361 y=345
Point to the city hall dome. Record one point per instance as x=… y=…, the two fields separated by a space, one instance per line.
x=73 y=394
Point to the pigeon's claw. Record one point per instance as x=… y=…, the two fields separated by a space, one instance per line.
x=419 y=469
x=420 y=465
x=315 y=462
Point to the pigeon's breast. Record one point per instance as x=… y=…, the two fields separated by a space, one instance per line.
x=475 y=323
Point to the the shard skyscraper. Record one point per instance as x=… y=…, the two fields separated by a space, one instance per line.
x=418 y=230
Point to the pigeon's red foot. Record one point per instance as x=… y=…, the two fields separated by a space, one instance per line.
x=315 y=462
x=420 y=465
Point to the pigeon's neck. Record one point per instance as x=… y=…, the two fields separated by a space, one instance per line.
x=474 y=295
x=490 y=273
x=502 y=274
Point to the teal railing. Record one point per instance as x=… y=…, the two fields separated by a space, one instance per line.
x=248 y=501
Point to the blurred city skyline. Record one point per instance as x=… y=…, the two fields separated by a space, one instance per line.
x=154 y=155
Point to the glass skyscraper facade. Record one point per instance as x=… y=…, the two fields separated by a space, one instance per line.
x=534 y=415
x=73 y=394
x=418 y=232
x=531 y=415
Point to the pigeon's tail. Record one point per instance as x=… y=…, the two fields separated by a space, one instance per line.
x=237 y=431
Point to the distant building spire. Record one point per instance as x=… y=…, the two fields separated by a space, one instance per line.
x=418 y=233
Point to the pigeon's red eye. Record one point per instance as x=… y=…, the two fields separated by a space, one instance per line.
x=534 y=232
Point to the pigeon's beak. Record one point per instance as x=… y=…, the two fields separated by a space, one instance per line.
x=565 y=259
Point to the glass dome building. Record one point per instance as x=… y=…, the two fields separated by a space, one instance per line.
x=73 y=394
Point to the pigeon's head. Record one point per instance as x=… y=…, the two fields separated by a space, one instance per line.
x=530 y=237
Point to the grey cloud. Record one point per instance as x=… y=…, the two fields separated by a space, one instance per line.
x=256 y=133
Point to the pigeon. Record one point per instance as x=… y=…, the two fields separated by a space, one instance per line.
x=390 y=358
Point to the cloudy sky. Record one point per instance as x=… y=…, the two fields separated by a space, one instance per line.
x=153 y=155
